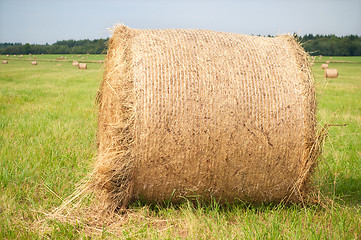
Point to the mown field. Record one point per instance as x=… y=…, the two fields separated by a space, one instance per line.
x=53 y=57
x=48 y=144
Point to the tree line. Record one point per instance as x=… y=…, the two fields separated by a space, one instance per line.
x=331 y=45
x=97 y=46
x=328 y=45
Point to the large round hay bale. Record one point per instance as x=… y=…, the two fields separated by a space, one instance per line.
x=197 y=112
x=331 y=73
x=324 y=66
x=5 y=61
x=34 y=63
x=82 y=66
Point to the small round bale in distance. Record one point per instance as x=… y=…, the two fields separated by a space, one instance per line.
x=5 y=61
x=327 y=62
x=198 y=112
x=82 y=66
x=331 y=73
x=75 y=63
x=324 y=66
x=34 y=63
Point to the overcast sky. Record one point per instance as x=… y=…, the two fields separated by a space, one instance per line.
x=46 y=21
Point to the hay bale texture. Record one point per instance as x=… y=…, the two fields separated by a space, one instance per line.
x=198 y=112
x=324 y=66
x=331 y=73
x=82 y=66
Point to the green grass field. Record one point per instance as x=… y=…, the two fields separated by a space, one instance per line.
x=53 y=57
x=48 y=144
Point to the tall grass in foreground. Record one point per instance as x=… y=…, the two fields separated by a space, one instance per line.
x=47 y=144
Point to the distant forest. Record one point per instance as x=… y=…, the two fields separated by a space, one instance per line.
x=328 y=45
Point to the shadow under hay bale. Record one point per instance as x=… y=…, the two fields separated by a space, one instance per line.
x=197 y=112
x=331 y=73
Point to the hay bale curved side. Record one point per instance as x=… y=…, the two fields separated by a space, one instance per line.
x=331 y=73
x=82 y=65
x=200 y=112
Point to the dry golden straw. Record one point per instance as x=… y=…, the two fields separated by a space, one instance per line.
x=331 y=73
x=212 y=114
x=324 y=66
x=82 y=66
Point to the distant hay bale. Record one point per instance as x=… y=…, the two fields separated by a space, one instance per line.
x=75 y=63
x=197 y=112
x=327 y=62
x=7 y=55
x=61 y=58
x=14 y=55
x=82 y=57
x=324 y=66
x=42 y=54
x=21 y=56
x=34 y=63
x=82 y=66
x=330 y=57
x=35 y=58
x=331 y=73
x=5 y=62
x=65 y=58
x=78 y=55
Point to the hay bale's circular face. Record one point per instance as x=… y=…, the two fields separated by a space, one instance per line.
x=195 y=112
